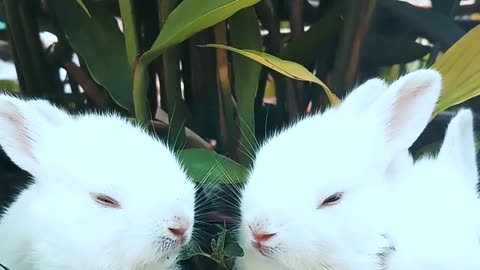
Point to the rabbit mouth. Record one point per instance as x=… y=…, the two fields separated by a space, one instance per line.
x=266 y=251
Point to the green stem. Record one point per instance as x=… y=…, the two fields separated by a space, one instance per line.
x=226 y=106
x=47 y=80
x=140 y=102
x=128 y=17
x=19 y=46
x=175 y=106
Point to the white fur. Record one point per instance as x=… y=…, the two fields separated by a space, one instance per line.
x=438 y=213
x=346 y=149
x=56 y=224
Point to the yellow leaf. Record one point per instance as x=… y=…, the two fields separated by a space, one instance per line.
x=287 y=68
x=84 y=7
x=459 y=66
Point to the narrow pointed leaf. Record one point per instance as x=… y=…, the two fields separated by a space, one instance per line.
x=190 y=17
x=286 y=68
x=84 y=8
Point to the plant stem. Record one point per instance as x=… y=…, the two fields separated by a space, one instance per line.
x=37 y=75
x=357 y=20
x=171 y=68
x=19 y=46
x=226 y=109
x=128 y=17
x=140 y=93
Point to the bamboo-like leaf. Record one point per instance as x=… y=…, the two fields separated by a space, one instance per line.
x=459 y=66
x=287 y=68
x=81 y=4
x=205 y=166
x=190 y=17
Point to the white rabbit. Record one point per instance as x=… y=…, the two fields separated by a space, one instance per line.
x=96 y=201
x=437 y=217
x=317 y=198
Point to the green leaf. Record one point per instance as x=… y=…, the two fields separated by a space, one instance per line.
x=245 y=33
x=233 y=250
x=287 y=68
x=10 y=86
x=221 y=243
x=207 y=166
x=84 y=8
x=459 y=66
x=305 y=48
x=101 y=44
x=435 y=26
x=189 y=251
x=190 y=17
x=400 y=51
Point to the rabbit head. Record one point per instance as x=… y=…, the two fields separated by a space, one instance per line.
x=105 y=195
x=315 y=197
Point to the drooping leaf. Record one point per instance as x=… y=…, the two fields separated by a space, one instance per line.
x=190 y=17
x=459 y=66
x=101 y=44
x=205 y=166
x=287 y=68
x=433 y=25
x=233 y=250
x=80 y=2
x=245 y=33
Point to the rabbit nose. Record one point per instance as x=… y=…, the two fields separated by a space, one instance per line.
x=262 y=237
x=178 y=231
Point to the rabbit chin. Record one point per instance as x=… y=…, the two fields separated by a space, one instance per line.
x=368 y=259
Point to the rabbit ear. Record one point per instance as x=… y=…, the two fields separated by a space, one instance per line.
x=400 y=115
x=360 y=98
x=53 y=114
x=21 y=127
x=459 y=143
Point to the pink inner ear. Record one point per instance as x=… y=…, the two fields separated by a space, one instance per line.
x=399 y=115
x=18 y=124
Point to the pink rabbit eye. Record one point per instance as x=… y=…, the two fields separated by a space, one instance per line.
x=332 y=200
x=105 y=200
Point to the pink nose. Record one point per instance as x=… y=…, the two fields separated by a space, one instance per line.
x=262 y=237
x=178 y=232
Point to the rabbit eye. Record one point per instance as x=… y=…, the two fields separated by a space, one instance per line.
x=105 y=200
x=332 y=200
